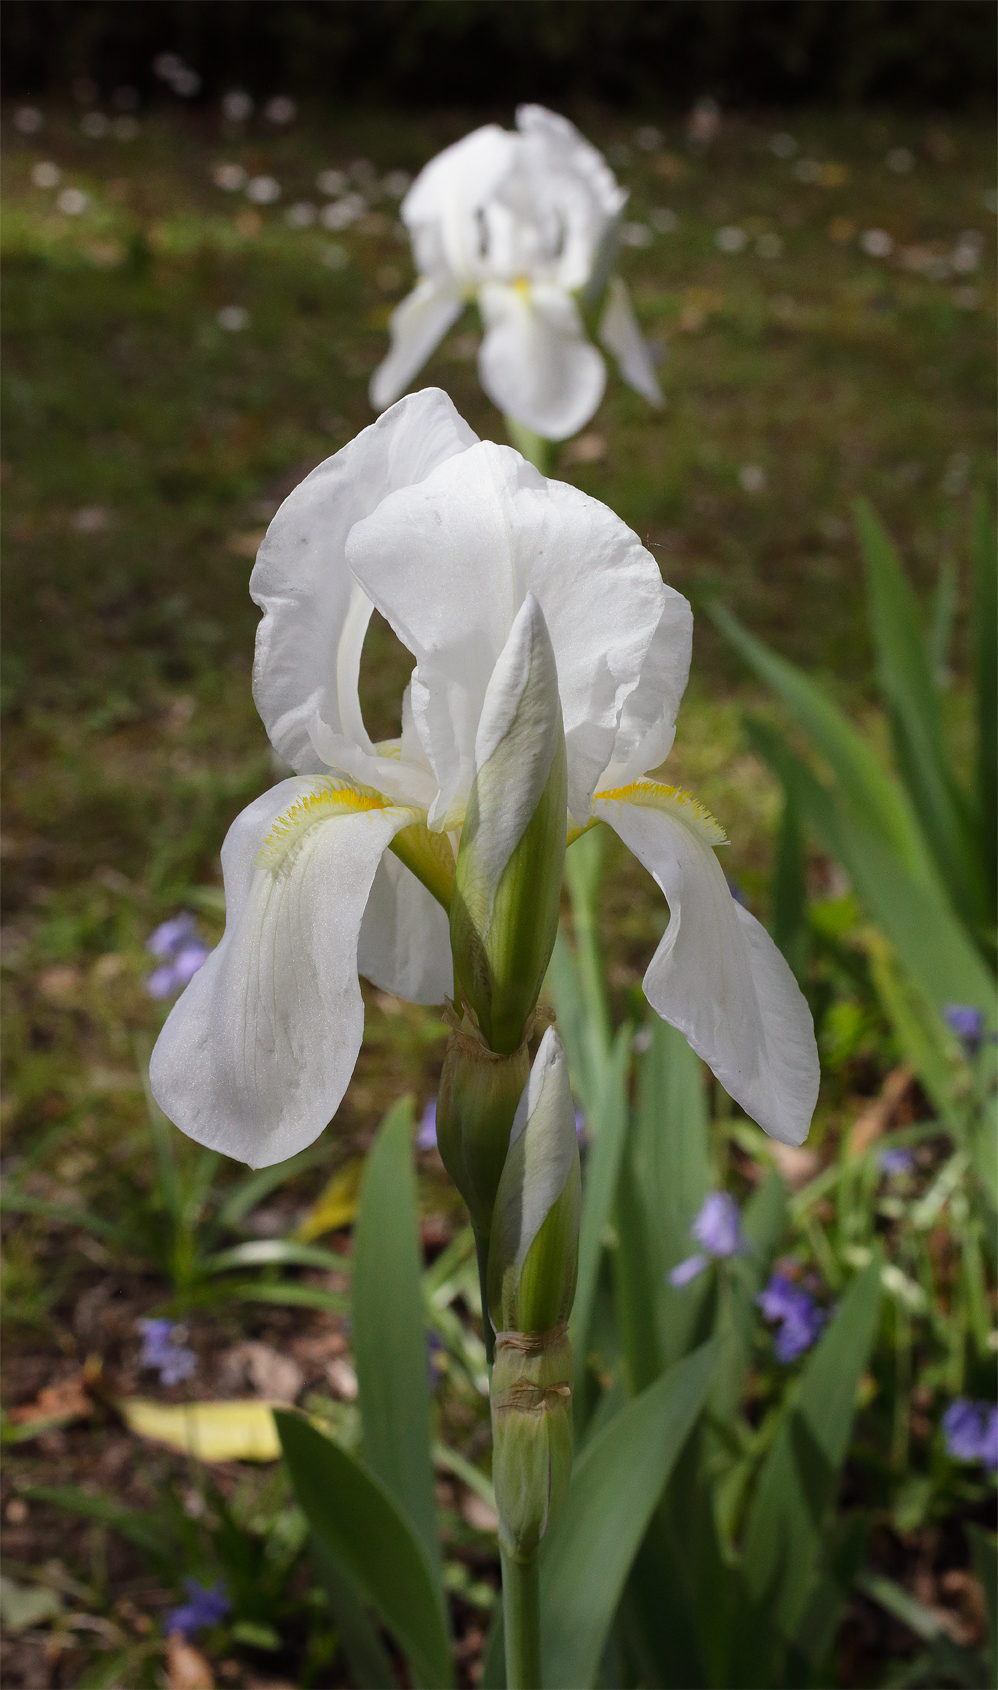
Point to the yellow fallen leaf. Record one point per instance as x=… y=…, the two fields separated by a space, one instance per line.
x=335 y=1206
x=211 y=1431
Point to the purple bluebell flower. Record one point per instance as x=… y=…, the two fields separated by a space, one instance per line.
x=426 y=1137
x=208 y=1605
x=800 y=1317
x=970 y=1431
x=718 y=1228
x=180 y=952
x=967 y=1023
x=897 y=1160
x=436 y=1351
x=161 y=1349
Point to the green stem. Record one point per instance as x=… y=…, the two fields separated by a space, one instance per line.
x=482 y=1247
x=543 y=454
x=521 y=1612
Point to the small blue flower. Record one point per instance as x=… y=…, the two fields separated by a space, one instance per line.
x=180 y=952
x=426 y=1137
x=162 y=1350
x=970 y=1431
x=718 y=1228
x=967 y=1023
x=207 y=1606
x=800 y=1317
x=897 y=1160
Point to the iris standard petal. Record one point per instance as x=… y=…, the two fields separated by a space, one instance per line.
x=417 y=327
x=449 y=563
x=619 y=333
x=404 y=945
x=441 y=207
x=717 y=975
x=256 y=1054
x=309 y=643
x=535 y=362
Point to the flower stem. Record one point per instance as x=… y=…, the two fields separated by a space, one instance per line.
x=541 y=453
x=482 y=1247
x=521 y=1605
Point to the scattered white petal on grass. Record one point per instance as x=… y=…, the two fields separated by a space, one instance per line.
x=90 y=519
x=332 y=182
x=876 y=243
x=752 y=478
x=231 y=177
x=664 y=220
x=335 y=256
x=186 y=83
x=73 y=201
x=966 y=255
x=782 y=144
x=95 y=125
x=769 y=245
x=807 y=170
x=900 y=160
x=166 y=66
x=263 y=190
x=339 y=214
x=635 y=234
x=966 y=299
x=648 y=138
x=395 y=184
x=362 y=170
x=237 y=105
x=301 y=215
x=954 y=480
x=280 y=109
x=45 y=174
x=704 y=121
x=233 y=318
x=618 y=154
x=731 y=238
x=28 y=120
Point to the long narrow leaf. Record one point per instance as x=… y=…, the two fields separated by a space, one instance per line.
x=370 y=1665
x=610 y=1127
x=909 y=692
x=273 y=1252
x=253 y=1188
x=389 y=1334
x=799 y=1479
x=861 y=774
x=356 y=1520
x=985 y=621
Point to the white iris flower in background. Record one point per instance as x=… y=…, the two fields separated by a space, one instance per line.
x=346 y=869
x=525 y=223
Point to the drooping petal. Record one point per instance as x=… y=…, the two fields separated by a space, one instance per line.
x=258 y=1051
x=450 y=562
x=619 y=333
x=404 y=944
x=535 y=362
x=716 y=974
x=417 y=327
x=309 y=643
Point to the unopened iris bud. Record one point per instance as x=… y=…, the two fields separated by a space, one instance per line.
x=533 y=1262
x=507 y=887
x=476 y=1105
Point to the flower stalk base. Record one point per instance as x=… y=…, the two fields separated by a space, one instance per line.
x=521 y=1603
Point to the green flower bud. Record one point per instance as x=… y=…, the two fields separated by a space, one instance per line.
x=477 y=1102
x=507 y=886
x=534 y=1245
x=531 y=1434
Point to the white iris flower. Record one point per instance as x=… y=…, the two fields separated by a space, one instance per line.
x=346 y=868
x=525 y=223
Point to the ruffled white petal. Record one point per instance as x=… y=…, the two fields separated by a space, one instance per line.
x=258 y=1051
x=449 y=563
x=619 y=333
x=441 y=208
x=405 y=937
x=309 y=643
x=717 y=975
x=417 y=327
x=535 y=362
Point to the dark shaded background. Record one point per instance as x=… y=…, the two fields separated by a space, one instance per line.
x=630 y=53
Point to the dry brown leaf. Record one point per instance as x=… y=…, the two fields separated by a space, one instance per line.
x=64 y=1401
x=878 y=1115
x=186 y=1667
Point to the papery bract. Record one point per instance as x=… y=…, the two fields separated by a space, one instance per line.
x=525 y=223
x=347 y=867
